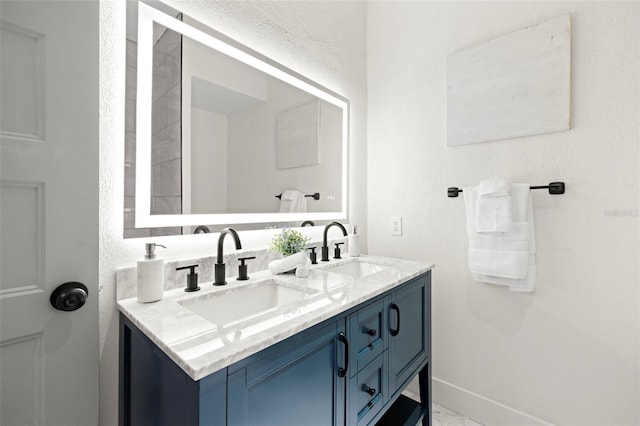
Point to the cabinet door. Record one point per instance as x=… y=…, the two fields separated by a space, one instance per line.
x=298 y=384
x=408 y=331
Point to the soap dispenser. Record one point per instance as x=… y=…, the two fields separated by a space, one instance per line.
x=354 y=243
x=150 y=275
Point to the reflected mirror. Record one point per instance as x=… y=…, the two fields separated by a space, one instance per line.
x=224 y=136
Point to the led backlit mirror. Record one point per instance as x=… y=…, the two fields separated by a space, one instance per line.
x=220 y=131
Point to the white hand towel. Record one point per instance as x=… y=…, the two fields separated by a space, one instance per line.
x=499 y=263
x=504 y=258
x=292 y=201
x=304 y=270
x=493 y=214
x=494 y=188
x=493 y=206
x=288 y=263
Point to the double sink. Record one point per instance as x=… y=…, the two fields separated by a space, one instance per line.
x=254 y=301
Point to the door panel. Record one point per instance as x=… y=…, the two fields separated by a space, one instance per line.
x=48 y=210
x=407 y=330
x=292 y=386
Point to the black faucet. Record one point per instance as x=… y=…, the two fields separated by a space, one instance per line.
x=325 y=247
x=308 y=222
x=219 y=269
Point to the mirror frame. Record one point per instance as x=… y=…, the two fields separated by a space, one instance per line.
x=147 y=15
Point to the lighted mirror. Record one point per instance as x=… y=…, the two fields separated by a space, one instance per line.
x=224 y=136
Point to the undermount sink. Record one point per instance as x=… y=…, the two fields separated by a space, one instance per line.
x=356 y=268
x=233 y=306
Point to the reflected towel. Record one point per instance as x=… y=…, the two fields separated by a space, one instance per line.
x=292 y=201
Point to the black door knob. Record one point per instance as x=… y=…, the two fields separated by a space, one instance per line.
x=69 y=296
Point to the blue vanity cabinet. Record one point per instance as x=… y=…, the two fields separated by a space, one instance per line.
x=154 y=391
x=300 y=381
x=409 y=330
x=349 y=370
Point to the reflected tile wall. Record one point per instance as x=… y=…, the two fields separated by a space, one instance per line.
x=130 y=145
x=166 y=156
x=166 y=181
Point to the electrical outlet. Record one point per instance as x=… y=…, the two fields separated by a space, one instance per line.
x=396 y=225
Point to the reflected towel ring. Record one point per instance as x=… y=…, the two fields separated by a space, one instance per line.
x=315 y=196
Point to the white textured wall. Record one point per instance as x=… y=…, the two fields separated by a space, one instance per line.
x=321 y=40
x=568 y=353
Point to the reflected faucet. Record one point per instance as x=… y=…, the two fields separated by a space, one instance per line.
x=325 y=247
x=308 y=222
x=201 y=229
x=219 y=268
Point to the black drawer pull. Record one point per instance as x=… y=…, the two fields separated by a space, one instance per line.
x=367 y=389
x=396 y=308
x=370 y=331
x=343 y=371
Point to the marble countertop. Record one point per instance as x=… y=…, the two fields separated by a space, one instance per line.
x=201 y=347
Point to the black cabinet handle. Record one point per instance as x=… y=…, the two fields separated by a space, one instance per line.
x=343 y=371
x=370 y=331
x=395 y=307
x=367 y=389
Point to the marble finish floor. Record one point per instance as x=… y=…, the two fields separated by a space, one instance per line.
x=442 y=416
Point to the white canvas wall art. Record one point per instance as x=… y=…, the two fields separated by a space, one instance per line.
x=512 y=86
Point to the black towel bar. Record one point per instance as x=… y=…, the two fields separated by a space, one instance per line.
x=315 y=196
x=553 y=187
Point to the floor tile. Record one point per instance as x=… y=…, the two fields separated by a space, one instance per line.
x=442 y=416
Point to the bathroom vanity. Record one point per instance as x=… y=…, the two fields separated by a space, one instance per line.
x=335 y=348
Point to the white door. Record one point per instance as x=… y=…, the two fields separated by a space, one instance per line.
x=48 y=211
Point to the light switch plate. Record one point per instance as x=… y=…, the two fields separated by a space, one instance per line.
x=396 y=225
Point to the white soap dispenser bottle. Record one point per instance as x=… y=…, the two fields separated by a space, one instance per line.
x=354 y=243
x=150 y=275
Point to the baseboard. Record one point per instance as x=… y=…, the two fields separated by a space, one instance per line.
x=479 y=408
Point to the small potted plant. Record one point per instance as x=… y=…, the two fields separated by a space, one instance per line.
x=288 y=242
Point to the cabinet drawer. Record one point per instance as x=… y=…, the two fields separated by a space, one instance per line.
x=367 y=334
x=368 y=391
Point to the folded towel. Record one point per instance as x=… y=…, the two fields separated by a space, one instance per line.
x=288 y=263
x=303 y=271
x=493 y=214
x=494 y=188
x=522 y=285
x=493 y=206
x=503 y=258
x=499 y=263
x=292 y=201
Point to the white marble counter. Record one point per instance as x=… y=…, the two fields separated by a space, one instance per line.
x=201 y=347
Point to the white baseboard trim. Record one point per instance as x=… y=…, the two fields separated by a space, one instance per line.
x=479 y=408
